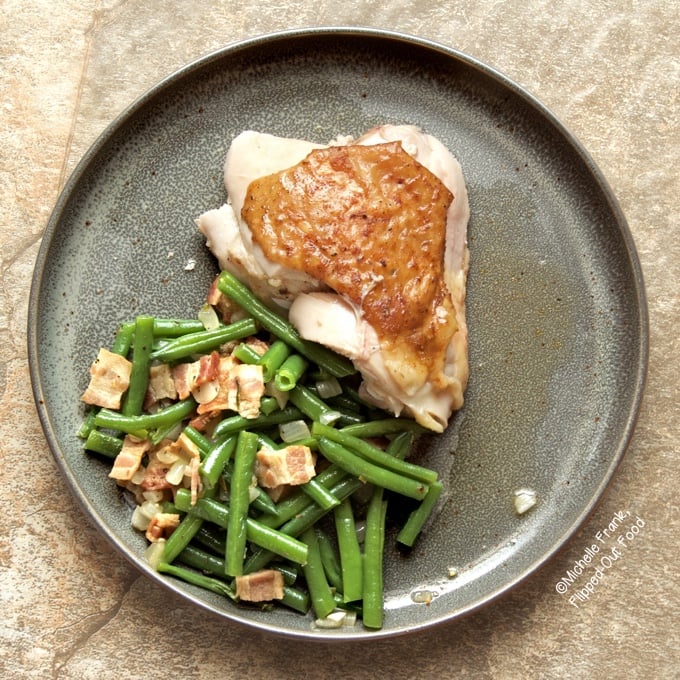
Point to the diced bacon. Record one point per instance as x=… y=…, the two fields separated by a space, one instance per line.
x=183 y=376
x=250 y=383
x=241 y=387
x=224 y=306
x=291 y=465
x=203 y=421
x=161 y=526
x=198 y=378
x=161 y=385
x=260 y=586
x=208 y=369
x=109 y=379
x=194 y=479
x=129 y=460
x=154 y=476
x=260 y=346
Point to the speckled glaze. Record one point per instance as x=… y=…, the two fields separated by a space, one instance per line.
x=556 y=307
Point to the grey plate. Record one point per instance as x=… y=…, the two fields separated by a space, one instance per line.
x=557 y=313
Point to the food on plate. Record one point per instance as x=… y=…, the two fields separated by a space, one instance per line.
x=244 y=436
x=363 y=243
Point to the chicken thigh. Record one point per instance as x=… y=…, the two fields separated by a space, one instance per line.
x=364 y=242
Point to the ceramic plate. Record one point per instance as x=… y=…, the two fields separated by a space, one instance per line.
x=556 y=308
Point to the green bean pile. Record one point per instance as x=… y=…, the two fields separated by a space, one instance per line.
x=311 y=536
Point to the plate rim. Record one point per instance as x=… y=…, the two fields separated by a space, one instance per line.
x=385 y=36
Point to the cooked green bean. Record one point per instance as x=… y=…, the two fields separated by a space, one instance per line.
x=373 y=454
x=369 y=472
x=213 y=464
x=350 y=553
x=374 y=545
x=261 y=500
x=272 y=359
x=202 y=442
x=180 y=537
x=319 y=494
x=239 y=501
x=416 y=520
x=329 y=559
x=290 y=372
x=237 y=423
x=295 y=599
x=136 y=424
x=123 y=341
x=103 y=443
x=246 y=354
x=199 y=559
x=320 y=592
x=282 y=329
x=172 y=328
x=266 y=537
x=378 y=428
x=200 y=580
x=212 y=538
x=139 y=375
x=203 y=342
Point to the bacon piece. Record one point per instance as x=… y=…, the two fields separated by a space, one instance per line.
x=241 y=387
x=198 y=378
x=109 y=378
x=292 y=465
x=154 y=475
x=161 y=526
x=161 y=385
x=129 y=459
x=260 y=586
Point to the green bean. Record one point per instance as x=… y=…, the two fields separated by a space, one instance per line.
x=200 y=580
x=329 y=559
x=239 y=501
x=269 y=405
x=246 y=354
x=319 y=494
x=103 y=443
x=273 y=358
x=416 y=520
x=123 y=341
x=213 y=464
x=282 y=329
x=199 y=559
x=202 y=442
x=88 y=425
x=139 y=375
x=257 y=533
x=295 y=599
x=305 y=519
x=373 y=454
x=204 y=341
x=212 y=539
x=378 y=428
x=350 y=552
x=319 y=591
x=401 y=445
x=290 y=372
x=136 y=424
x=312 y=406
x=288 y=571
x=237 y=423
x=374 y=545
x=369 y=472
x=180 y=537
x=172 y=328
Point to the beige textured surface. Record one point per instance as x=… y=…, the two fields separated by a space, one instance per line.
x=72 y=608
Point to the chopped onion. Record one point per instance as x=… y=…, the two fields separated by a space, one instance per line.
x=296 y=429
x=139 y=519
x=208 y=317
x=271 y=391
x=525 y=499
x=176 y=472
x=335 y=619
x=155 y=496
x=138 y=477
x=329 y=387
x=329 y=417
x=149 y=509
x=166 y=455
x=206 y=392
x=154 y=553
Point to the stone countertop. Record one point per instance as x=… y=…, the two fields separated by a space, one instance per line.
x=74 y=608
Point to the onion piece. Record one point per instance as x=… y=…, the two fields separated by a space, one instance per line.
x=329 y=417
x=294 y=430
x=328 y=387
x=154 y=553
x=208 y=317
x=525 y=499
x=176 y=472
